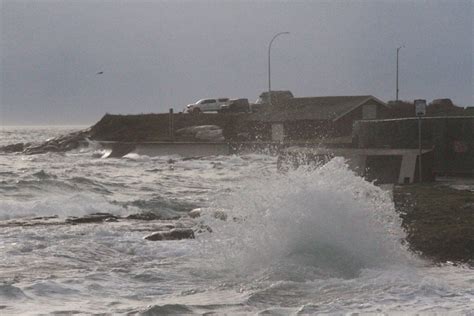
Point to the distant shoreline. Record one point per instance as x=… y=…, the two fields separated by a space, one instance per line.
x=43 y=126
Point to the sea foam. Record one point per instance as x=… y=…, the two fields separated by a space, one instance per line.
x=325 y=222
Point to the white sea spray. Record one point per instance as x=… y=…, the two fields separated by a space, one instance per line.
x=327 y=219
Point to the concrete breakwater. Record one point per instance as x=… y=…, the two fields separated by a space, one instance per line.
x=133 y=129
x=448 y=141
x=150 y=134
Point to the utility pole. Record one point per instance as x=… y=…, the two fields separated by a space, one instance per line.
x=269 y=66
x=171 y=124
x=398 y=50
x=420 y=110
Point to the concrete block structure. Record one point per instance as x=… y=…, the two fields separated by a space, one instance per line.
x=451 y=139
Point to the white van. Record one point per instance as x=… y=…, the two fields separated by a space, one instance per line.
x=207 y=105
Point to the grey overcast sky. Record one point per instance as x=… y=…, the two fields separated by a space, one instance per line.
x=161 y=54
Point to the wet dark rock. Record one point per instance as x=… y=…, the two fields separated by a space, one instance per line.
x=219 y=214
x=168 y=208
x=154 y=170
x=195 y=213
x=438 y=220
x=145 y=216
x=92 y=218
x=468 y=206
x=168 y=309
x=184 y=223
x=36 y=221
x=14 y=148
x=43 y=175
x=173 y=234
x=191 y=158
x=11 y=292
x=216 y=213
x=58 y=144
x=45 y=217
x=202 y=228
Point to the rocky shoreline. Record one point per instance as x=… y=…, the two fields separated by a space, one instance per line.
x=154 y=226
x=124 y=129
x=58 y=144
x=438 y=220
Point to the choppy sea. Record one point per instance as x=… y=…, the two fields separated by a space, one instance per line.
x=319 y=241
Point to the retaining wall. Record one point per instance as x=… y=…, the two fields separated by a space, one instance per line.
x=452 y=139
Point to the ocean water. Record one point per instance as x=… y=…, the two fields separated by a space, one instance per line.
x=319 y=241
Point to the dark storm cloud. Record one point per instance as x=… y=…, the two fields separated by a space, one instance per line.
x=157 y=55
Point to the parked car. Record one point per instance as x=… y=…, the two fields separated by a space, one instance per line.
x=236 y=105
x=207 y=105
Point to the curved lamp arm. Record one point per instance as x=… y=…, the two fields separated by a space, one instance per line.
x=269 y=65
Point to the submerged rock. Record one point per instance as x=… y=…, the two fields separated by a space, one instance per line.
x=59 y=144
x=173 y=234
x=438 y=220
x=216 y=213
x=195 y=213
x=92 y=218
x=145 y=216
x=45 y=217
x=14 y=148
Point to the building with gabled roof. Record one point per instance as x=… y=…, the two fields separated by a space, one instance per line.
x=310 y=118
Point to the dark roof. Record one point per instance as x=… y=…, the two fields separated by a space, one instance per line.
x=314 y=108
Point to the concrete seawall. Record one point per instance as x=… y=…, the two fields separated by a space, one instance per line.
x=197 y=149
x=182 y=149
x=383 y=165
x=153 y=149
x=452 y=139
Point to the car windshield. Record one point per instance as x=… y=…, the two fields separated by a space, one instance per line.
x=208 y=101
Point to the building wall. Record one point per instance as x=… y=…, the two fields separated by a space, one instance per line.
x=319 y=129
x=452 y=139
x=307 y=129
x=278 y=132
x=256 y=131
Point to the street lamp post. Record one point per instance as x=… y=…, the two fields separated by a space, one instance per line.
x=269 y=66
x=398 y=50
x=420 y=110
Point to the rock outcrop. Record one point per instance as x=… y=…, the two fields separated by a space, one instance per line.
x=58 y=144
x=438 y=220
x=173 y=234
x=92 y=218
x=215 y=213
x=15 y=148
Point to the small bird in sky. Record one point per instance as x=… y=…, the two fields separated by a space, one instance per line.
x=100 y=73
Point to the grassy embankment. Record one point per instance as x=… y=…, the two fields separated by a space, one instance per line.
x=439 y=221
